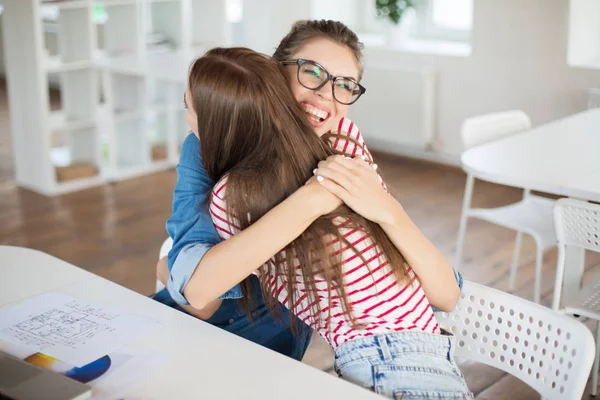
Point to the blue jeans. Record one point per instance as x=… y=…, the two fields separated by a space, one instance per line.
x=275 y=334
x=403 y=365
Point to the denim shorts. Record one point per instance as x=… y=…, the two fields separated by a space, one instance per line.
x=403 y=365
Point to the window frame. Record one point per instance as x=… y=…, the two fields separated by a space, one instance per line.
x=426 y=29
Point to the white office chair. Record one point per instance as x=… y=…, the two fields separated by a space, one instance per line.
x=548 y=350
x=164 y=251
x=578 y=224
x=531 y=215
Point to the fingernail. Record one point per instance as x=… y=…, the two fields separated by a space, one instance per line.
x=314 y=171
x=374 y=166
x=346 y=157
x=320 y=178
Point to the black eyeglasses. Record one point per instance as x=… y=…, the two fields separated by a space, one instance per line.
x=313 y=76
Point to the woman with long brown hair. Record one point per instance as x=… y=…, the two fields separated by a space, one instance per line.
x=343 y=275
x=313 y=54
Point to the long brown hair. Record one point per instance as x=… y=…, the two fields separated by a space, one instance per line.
x=305 y=31
x=251 y=127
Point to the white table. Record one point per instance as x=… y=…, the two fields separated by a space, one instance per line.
x=561 y=158
x=204 y=362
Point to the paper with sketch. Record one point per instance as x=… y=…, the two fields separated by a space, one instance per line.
x=69 y=329
x=110 y=376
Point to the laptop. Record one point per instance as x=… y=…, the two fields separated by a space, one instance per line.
x=20 y=380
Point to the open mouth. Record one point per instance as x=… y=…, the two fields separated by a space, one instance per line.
x=315 y=115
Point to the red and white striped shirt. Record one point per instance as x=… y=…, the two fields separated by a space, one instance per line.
x=379 y=303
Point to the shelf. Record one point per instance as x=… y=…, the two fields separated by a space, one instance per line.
x=121 y=67
x=63 y=5
x=108 y=3
x=78 y=184
x=169 y=66
x=74 y=154
x=57 y=121
x=76 y=171
x=144 y=112
x=54 y=64
x=135 y=171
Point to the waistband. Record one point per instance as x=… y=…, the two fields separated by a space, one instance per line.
x=398 y=342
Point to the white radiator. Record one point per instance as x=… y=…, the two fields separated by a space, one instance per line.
x=397 y=113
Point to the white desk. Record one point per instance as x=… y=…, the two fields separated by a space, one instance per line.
x=203 y=362
x=561 y=158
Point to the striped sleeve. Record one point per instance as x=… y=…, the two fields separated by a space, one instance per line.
x=226 y=225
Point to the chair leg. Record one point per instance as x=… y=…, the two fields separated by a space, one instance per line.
x=515 y=261
x=462 y=228
x=596 y=362
x=537 y=284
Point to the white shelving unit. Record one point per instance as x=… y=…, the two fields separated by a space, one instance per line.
x=121 y=86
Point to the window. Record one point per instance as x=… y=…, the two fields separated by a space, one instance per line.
x=448 y=20
x=433 y=26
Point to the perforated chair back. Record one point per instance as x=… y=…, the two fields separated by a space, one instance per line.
x=549 y=351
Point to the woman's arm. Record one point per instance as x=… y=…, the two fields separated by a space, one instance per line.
x=358 y=185
x=435 y=273
x=190 y=225
x=232 y=260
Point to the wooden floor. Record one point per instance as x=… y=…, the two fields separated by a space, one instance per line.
x=115 y=231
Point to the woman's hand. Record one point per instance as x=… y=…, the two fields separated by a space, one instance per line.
x=358 y=185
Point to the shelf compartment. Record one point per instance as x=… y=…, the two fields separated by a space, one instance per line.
x=67 y=31
x=79 y=92
x=157 y=133
x=166 y=24
x=123 y=30
x=74 y=154
x=137 y=94
x=130 y=140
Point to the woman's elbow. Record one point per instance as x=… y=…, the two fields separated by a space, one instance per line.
x=449 y=300
x=204 y=313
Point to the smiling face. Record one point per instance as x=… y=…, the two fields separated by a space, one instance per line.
x=322 y=110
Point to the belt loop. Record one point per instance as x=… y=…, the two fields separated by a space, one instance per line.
x=451 y=345
x=385 y=349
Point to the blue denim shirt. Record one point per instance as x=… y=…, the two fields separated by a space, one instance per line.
x=190 y=226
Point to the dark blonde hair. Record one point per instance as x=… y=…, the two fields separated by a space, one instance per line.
x=251 y=127
x=303 y=32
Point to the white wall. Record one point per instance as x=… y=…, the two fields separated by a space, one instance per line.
x=1 y=47
x=519 y=60
x=584 y=33
x=266 y=22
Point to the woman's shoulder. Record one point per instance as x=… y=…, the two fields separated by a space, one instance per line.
x=348 y=139
x=220 y=188
x=347 y=127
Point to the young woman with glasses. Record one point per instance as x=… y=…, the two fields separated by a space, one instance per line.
x=359 y=281
x=323 y=64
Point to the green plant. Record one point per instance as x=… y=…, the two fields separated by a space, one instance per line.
x=393 y=9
